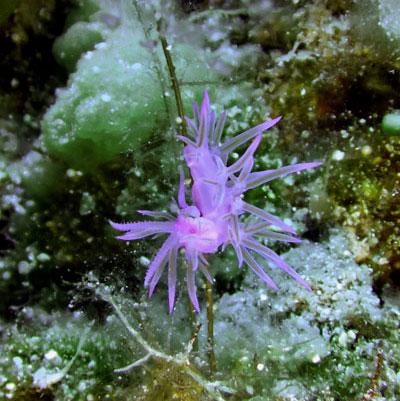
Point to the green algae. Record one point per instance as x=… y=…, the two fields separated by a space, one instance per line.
x=333 y=93
x=118 y=97
x=376 y=22
x=391 y=123
x=80 y=38
x=112 y=105
x=41 y=176
x=306 y=343
x=39 y=352
x=334 y=88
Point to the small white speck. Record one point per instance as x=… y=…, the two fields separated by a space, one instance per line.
x=316 y=358
x=71 y=173
x=366 y=150
x=18 y=362
x=24 y=267
x=244 y=359
x=144 y=261
x=43 y=257
x=51 y=355
x=250 y=389
x=10 y=386
x=59 y=122
x=216 y=36
x=100 y=45
x=338 y=155
x=82 y=386
x=260 y=367
x=342 y=339
x=6 y=276
x=105 y=97
x=352 y=335
x=303 y=92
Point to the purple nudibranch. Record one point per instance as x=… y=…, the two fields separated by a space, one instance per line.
x=214 y=221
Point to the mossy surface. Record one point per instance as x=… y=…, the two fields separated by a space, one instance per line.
x=320 y=336
x=87 y=130
x=118 y=96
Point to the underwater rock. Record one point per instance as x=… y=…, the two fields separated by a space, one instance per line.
x=296 y=340
x=377 y=24
x=117 y=97
x=80 y=38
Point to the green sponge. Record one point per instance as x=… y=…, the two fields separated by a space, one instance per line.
x=391 y=123
x=78 y=39
x=115 y=100
x=111 y=104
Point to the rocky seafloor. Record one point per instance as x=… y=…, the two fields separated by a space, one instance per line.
x=88 y=121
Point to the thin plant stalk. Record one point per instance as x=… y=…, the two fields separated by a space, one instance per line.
x=175 y=84
x=193 y=317
x=179 y=105
x=156 y=59
x=210 y=328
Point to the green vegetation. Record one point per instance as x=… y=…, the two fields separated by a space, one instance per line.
x=87 y=131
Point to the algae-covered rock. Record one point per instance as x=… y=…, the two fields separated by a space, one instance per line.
x=110 y=105
x=338 y=342
x=377 y=22
x=83 y=11
x=296 y=344
x=46 y=363
x=79 y=39
x=118 y=96
x=42 y=178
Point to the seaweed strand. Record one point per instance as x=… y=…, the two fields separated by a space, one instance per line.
x=156 y=60
x=210 y=328
x=174 y=80
x=179 y=105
